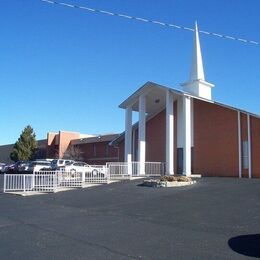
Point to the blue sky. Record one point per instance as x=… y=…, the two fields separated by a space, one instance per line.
x=66 y=69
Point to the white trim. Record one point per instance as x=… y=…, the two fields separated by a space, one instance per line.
x=239 y=143
x=249 y=147
x=187 y=136
x=192 y=121
x=128 y=134
x=133 y=145
x=169 y=134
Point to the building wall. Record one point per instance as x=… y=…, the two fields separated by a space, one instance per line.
x=215 y=140
x=61 y=144
x=64 y=141
x=255 y=137
x=98 y=153
x=58 y=143
x=5 y=151
x=155 y=138
x=244 y=137
x=52 y=145
x=215 y=150
x=121 y=151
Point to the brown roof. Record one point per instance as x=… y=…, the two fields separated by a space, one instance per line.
x=96 y=139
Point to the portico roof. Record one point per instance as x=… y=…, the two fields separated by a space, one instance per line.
x=155 y=91
x=155 y=97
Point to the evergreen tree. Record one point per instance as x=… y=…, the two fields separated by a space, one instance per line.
x=25 y=146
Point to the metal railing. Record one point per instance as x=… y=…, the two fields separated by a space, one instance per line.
x=119 y=170
x=70 y=179
x=97 y=175
x=125 y=170
x=44 y=181
x=51 y=181
x=18 y=182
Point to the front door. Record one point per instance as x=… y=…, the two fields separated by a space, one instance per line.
x=179 y=160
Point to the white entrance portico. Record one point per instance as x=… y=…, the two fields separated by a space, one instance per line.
x=148 y=101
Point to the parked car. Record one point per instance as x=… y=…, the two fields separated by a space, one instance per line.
x=7 y=166
x=17 y=167
x=2 y=167
x=84 y=167
x=38 y=165
x=57 y=163
x=25 y=166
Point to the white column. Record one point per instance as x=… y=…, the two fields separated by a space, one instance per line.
x=249 y=147
x=187 y=136
x=134 y=146
x=141 y=134
x=128 y=134
x=169 y=134
x=239 y=144
x=128 y=138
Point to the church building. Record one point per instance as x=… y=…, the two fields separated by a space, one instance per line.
x=188 y=130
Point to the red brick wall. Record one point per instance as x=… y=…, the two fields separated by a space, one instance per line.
x=52 y=148
x=64 y=141
x=215 y=140
x=255 y=141
x=101 y=156
x=155 y=138
x=121 y=147
x=244 y=137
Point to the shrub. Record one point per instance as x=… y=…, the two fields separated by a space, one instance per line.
x=179 y=178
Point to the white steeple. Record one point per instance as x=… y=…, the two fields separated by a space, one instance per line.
x=197 y=71
x=197 y=84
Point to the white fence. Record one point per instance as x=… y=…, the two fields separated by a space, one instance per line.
x=97 y=174
x=40 y=182
x=124 y=170
x=51 y=181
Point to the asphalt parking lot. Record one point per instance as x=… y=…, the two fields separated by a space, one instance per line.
x=217 y=218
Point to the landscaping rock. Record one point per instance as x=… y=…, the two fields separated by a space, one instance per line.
x=169 y=181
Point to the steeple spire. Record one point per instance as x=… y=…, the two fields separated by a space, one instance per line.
x=197 y=85
x=197 y=71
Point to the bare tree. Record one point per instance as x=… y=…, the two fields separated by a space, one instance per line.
x=73 y=153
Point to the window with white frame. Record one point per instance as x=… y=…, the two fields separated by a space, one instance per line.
x=245 y=155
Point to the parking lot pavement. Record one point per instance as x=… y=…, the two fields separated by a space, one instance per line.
x=126 y=221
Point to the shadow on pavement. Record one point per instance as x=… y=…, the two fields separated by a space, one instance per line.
x=248 y=245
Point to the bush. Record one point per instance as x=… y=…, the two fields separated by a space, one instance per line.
x=177 y=178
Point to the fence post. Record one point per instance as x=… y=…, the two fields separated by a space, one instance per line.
x=83 y=178
x=56 y=180
x=4 y=183
x=24 y=183
x=107 y=173
x=33 y=180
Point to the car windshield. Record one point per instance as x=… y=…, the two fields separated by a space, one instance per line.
x=69 y=163
x=54 y=162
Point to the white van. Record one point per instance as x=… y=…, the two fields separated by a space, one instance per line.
x=56 y=163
